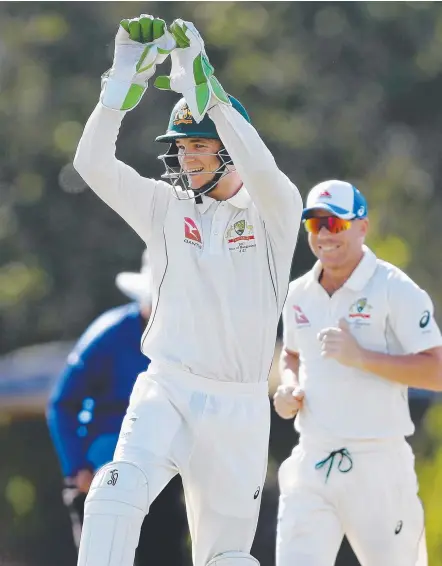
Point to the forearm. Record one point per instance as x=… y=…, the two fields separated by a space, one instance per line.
x=421 y=371
x=289 y=368
x=95 y=157
x=133 y=197
x=62 y=424
x=276 y=197
x=250 y=155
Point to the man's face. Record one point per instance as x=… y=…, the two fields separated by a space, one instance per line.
x=335 y=251
x=197 y=157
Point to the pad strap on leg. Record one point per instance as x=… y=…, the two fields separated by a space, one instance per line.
x=233 y=559
x=115 y=508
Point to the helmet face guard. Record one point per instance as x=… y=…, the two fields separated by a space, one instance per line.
x=181 y=180
x=182 y=125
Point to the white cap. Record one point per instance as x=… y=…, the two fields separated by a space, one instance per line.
x=137 y=286
x=339 y=197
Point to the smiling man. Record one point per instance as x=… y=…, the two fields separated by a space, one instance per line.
x=197 y=163
x=220 y=254
x=357 y=333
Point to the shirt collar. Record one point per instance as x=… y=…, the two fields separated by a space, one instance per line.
x=360 y=276
x=239 y=200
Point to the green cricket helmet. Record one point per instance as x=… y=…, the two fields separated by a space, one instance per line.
x=182 y=125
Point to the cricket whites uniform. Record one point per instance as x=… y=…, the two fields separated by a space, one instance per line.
x=220 y=274
x=368 y=489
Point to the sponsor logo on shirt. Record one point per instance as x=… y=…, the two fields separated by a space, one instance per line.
x=191 y=233
x=300 y=317
x=240 y=236
x=360 y=309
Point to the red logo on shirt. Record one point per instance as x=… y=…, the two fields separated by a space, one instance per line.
x=191 y=231
x=300 y=316
x=325 y=194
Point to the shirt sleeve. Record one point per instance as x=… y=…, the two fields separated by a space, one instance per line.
x=136 y=199
x=411 y=315
x=83 y=375
x=277 y=199
x=289 y=341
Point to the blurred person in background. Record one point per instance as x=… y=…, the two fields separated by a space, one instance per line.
x=357 y=333
x=87 y=407
x=221 y=238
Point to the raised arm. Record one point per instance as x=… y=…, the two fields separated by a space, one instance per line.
x=118 y=185
x=277 y=199
x=140 y=45
x=275 y=196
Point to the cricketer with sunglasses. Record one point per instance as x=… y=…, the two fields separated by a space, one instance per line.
x=221 y=238
x=357 y=332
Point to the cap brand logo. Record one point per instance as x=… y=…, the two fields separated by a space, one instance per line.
x=325 y=194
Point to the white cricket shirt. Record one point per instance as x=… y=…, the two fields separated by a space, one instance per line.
x=220 y=269
x=387 y=313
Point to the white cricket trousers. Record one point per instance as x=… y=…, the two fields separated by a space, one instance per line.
x=368 y=492
x=215 y=435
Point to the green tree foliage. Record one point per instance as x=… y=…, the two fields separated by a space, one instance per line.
x=338 y=90
x=429 y=469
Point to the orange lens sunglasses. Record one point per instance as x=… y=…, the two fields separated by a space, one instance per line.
x=333 y=224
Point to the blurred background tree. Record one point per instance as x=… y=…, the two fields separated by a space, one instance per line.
x=337 y=90
x=429 y=469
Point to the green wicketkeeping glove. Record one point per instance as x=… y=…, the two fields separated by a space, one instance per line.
x=140 y=45
x=192 y=74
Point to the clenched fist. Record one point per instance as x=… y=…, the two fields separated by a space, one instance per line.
x=287 y=401
x=340 y=344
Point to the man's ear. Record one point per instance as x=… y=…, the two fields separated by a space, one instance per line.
x=364 y=225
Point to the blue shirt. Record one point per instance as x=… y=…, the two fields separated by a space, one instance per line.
x=89 y=401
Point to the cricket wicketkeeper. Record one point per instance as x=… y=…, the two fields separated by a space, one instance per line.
x=221 y=237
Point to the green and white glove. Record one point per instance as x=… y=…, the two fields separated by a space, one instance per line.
x=191 y=73
x=140 y=45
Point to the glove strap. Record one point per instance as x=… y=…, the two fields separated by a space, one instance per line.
x=120 y=95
